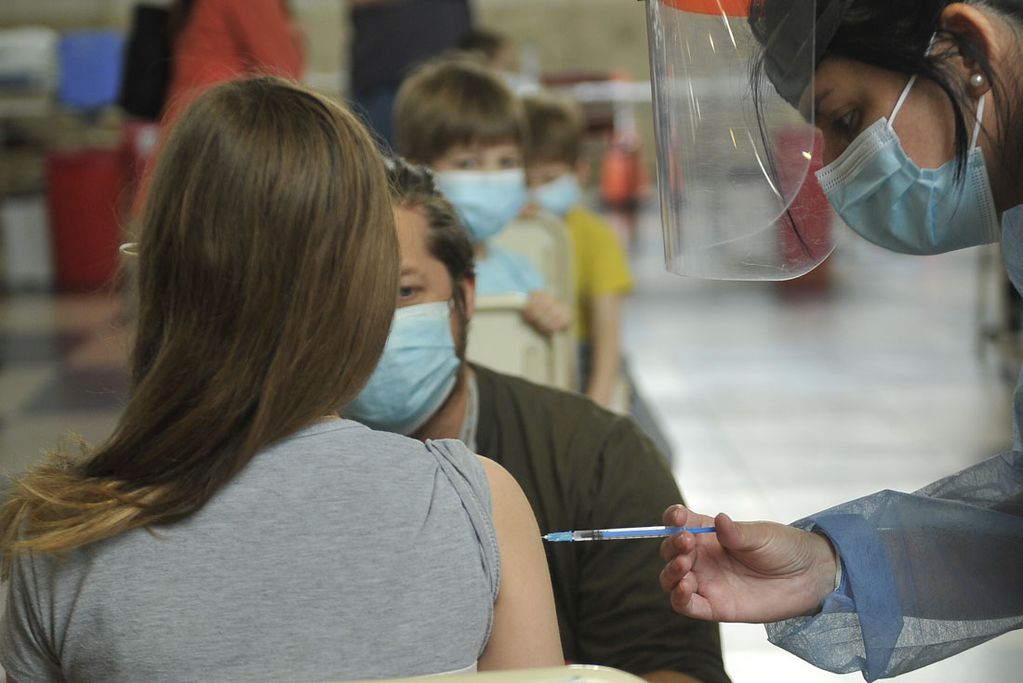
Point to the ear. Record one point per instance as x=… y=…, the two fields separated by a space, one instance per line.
x=468 y=286
x=976 y=27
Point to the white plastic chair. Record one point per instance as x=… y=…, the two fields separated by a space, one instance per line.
x=545 y=241
x=499 y=339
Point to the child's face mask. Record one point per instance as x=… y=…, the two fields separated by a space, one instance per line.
x=558 y=196
x=486 y=201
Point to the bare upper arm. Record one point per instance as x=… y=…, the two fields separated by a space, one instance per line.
x=525 y=633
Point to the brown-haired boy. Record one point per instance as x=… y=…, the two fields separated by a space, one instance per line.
x=459 y=118
x=554 y=167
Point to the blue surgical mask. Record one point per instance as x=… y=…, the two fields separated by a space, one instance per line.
x=888 y=199
x=416 y=374
x=486 y=201
x=558 y=196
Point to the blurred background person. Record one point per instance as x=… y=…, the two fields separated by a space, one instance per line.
x=555 y=171
x=389 y=38
x=219 y=40
x=518 y=66
x=499 y=51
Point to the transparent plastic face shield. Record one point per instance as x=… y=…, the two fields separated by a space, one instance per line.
x=736 y=158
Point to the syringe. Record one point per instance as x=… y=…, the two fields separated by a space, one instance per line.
x=624 y=534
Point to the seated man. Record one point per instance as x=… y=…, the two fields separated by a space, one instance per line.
x=580 y=466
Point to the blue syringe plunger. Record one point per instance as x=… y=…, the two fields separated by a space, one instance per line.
x=623 y=534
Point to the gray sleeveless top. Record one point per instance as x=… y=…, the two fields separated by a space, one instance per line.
x=338 y=553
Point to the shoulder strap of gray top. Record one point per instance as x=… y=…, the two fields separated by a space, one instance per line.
x=466 y=474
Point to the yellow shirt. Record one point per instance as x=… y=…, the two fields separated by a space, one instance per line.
x=600 y=264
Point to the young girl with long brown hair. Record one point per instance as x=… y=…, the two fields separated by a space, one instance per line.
x=234 y=527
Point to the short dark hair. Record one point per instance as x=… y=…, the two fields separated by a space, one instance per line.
x=455 y=101
x=556 y=128
x=484 y=41
x=449 y=243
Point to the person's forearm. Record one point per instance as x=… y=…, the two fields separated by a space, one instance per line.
x=669 y=677
x=607 y=348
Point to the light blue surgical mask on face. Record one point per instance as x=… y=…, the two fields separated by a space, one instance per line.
x=888 y=199
x=486 y=201
x=558 y=196
x=416 y=374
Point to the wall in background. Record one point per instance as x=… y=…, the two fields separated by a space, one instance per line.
x=597 y=35
x=567 y=34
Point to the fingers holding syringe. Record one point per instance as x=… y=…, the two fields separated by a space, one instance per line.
x=680 y=516
x=675 y=569
x=683 y=587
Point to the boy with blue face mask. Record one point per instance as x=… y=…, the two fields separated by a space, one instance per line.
x=458 y=118
x=602 y=278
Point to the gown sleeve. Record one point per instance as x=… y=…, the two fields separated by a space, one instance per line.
x=924 y=575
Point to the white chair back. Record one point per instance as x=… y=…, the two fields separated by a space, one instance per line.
x=499 y=339
x=545 y=241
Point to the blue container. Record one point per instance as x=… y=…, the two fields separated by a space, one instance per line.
x=90 y=69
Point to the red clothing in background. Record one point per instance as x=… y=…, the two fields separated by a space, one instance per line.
x=227 y=39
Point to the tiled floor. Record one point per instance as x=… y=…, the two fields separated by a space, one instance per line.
x=778 y=405
x=782 y=405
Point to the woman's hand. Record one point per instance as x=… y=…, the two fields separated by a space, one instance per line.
x=756 y=572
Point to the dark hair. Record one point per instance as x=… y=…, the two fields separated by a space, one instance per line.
x=556 y=128
x=455 y=101
x=894 y=36
x=413 y=187
x=486 y=42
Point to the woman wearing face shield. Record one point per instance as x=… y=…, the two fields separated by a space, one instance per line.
x=920 y=106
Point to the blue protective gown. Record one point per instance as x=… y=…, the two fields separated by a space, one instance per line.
x=927 y=574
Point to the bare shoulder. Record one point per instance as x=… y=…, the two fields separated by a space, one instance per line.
x=509 y=500
x=498 y=476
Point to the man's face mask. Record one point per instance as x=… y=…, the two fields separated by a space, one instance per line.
x=416 y=373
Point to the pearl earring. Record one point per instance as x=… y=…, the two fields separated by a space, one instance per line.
x=977 y=80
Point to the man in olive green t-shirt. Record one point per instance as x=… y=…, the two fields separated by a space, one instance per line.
x=580 y=466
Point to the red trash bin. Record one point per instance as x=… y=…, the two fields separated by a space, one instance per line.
x=84 y=197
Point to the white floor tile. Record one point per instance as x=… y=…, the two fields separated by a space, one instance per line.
x=783 y=406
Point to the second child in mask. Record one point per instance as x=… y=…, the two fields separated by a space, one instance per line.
x=458 y=118
x=602 y=279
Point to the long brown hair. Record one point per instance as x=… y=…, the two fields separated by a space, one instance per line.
x=268 y=270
